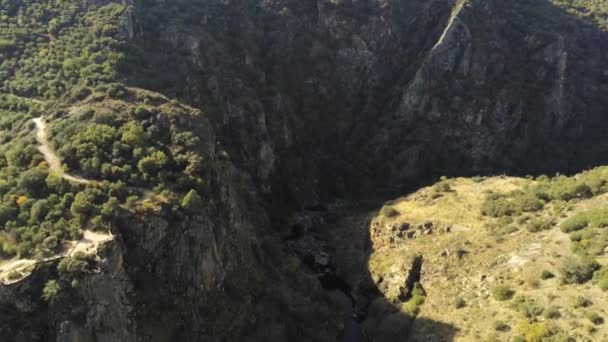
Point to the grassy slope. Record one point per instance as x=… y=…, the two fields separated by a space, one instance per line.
x=467 y=264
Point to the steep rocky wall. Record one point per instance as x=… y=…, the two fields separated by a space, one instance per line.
x=98 y=309
x=311 y=95
x=215 y=274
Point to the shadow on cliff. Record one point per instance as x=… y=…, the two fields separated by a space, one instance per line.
x=335 y=243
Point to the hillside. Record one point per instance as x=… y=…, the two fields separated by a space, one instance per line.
x=502 y=257
x=212 y=170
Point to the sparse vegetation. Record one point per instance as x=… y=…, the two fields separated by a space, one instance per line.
x=535 y=332
x=527 y=306
x=412 y=306
x=459 y=303
x=574 y=223
x=388 y=211
x=546 y=275
x=594 y=317
x=552 y=312
x=578 y=270
x=601 y=278
x=501 y=326
x=582 y=302
x=51 y=290
x=546 y=190
x=502 y=292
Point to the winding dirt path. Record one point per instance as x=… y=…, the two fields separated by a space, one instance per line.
x=50 y=156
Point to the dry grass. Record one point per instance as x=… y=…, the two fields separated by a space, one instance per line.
x=469 y=264
x=459 y=206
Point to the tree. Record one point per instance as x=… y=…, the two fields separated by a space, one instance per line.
x=33 y=181
x=133 y=134
x=150 y=165
x=109 y=208
x=192 y=202
x=82 y=205
x=39 y=211
x=51 y=289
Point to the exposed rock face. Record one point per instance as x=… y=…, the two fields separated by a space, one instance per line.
x=98 y=309
x=312 y=99
x=174 y=275
x=312 y=95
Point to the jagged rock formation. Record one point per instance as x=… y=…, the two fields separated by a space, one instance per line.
x=314 y=96
x=311 y=100
x=176 y=275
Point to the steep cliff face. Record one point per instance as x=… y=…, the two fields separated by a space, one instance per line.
x=311 y=100
x=98 y=309
x=171 y=273
x=326 y=94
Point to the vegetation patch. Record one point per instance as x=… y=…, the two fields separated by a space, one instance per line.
x=578 y=270
x=502 y=292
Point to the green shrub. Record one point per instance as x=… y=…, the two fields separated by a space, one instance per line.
x=537 y=225
x=528 y=202
x=598 y=217
x=527 y=306
x=412 y=306
x=73 y=265
x=502 y=292
x=388 y=211
x=443 y=186
x=601 y=278
x=578 y=271
x=560 y=337
x=594 y=317
x=459 y=303
x=501 y=326
x=51 y=290
x=497 y=206
x=582 y=302
x=534 y=332
x=117 y=91
x=552 y=313
x=546 y=275
x=574 y=223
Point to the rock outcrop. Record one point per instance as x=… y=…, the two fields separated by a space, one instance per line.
x=318 y=98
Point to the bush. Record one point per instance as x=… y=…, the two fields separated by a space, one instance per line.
x=574 y=223
x=598 y=217
x=459 y=303
x=443 y=186
x=50 y=290
x=546 y=275
x=534 y=332
x=502 y=292
x=501 y=326
x=578 y=271
x=497 y=206
x=528 y=202
x=601 y=278
x=73 y=265
x=537 y=225
x=527 y=306
x=582 y=302
x=594 y=317
x=117 y=91
x=388 y=211
x=552 y=313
